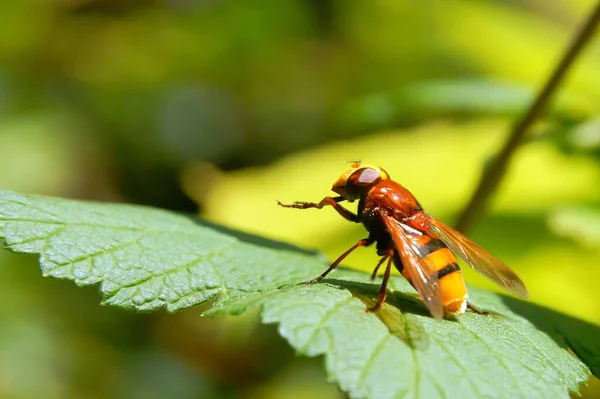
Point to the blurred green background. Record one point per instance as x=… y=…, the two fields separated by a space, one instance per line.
x=222 y=107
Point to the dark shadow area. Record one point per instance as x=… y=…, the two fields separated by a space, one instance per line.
x=367 y=292
x=395 y=313
x=581 y=337
x=251 y=238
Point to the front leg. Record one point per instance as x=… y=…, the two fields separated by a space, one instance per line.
x=333 y=201
x=361 y=243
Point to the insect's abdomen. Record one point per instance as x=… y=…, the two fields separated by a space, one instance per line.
x=452 y=284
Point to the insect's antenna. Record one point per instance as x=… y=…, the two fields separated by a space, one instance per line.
x=354 y=163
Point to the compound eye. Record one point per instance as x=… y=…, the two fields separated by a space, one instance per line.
x=367 y=176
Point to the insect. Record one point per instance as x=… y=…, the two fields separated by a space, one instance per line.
x=420 y=246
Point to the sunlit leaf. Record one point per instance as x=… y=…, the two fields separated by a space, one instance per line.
x=581 y=223
x=145 y=259
x=586 y=136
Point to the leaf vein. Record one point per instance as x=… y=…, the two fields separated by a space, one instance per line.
x=458 y=364
x=438 y=387
x=107 y=251
x=29 y=205
x=541 y=352
x=498 y=357
x=330 y=312
x=371 y=359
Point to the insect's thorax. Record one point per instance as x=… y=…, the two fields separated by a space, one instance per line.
x=389 y=196
x=393 y=199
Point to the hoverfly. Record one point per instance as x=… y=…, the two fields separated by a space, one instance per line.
x=420 y=246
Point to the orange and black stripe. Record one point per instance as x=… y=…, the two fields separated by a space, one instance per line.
x=452 y=284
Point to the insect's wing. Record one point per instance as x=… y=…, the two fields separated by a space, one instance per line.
x=478 y=258
x=421 y=271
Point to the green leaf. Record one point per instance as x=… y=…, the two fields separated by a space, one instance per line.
x=585 y=136
x=578 y=222
x=145 y=259
x=456 y=97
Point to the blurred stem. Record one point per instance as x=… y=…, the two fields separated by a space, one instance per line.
x=493 y=174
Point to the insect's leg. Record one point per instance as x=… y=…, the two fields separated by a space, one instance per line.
x=477 y=310
x=383 y=259
x=333 y=201
x=383 y=289
x=360 y=243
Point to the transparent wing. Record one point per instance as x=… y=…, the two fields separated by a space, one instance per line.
x=421 y=271
x=478 y=258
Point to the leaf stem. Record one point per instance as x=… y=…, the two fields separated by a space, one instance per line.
x=493 y=174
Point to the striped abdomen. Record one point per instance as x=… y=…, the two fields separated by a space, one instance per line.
x=452 y=284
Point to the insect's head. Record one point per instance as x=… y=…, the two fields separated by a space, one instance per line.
x=355 y=181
